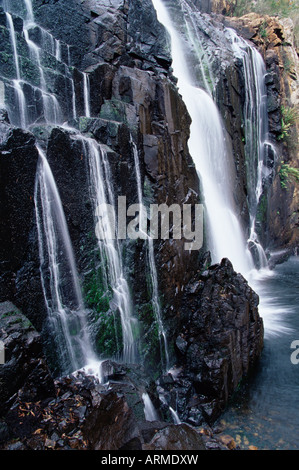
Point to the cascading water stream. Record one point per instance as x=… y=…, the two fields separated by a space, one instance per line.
x=152 y=265
x=61 y=311
x=114 y=275
x=257 y=143
x=60 y=281
x=67 y=315
x=149 y=409
x=14 y=43
x=20 y=97
x=195 y=38
x=207 y=147
x=212 y=158
x=51 y=106
x=86 y=94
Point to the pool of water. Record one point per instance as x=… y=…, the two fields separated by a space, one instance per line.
x=265 y=413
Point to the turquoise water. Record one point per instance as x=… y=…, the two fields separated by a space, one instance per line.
x=266 y=412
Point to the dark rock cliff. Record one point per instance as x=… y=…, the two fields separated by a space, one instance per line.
x=210 y=315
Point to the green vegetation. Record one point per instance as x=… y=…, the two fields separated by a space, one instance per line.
x=96 y=295
x=286 y=173
x=281 y=8
x=109 y=335
x=262 y=209
x=288 y=120
x=263 y=30
x=149 y=346
x=107 y=324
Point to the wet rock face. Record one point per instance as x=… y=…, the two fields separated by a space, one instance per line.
x=210 y=319
x=25 y=372
x=82 y=414
x=18 y=161
x=217 y=345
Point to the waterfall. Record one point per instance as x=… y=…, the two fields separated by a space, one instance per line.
x=22 y=118
x=207 y=146
x=257 y=143
x=175 y=416
x=14 y=43
x=63 y=296
x=51 y=108
x=62 y=292
x=52 y=111
x=57 y=50
x=206 y=74
x=86 y=94
x=152 y=265
x=149 y=409
x=73 y=99
x=30 y=15
x=212 y=157
x=114 y=276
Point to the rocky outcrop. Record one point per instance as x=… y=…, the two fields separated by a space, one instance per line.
x=25 y=373
x=217 y=346
x=18 y=161
x=210 y=315
x=222 y=7
x=77 y=412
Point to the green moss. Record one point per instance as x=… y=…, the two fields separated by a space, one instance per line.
x=262 y=209
x=9 y=314
x=150 y=339
x=29 y=71
x=113 y=110
x=109 y=335
x=96 y=296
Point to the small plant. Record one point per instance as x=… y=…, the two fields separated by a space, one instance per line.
x=286 y=172
x=263 y=31
x=288 y=120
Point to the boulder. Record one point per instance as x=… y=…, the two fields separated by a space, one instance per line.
x=25 y=373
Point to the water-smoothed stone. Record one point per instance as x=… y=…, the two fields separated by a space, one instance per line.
x=181 y=437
